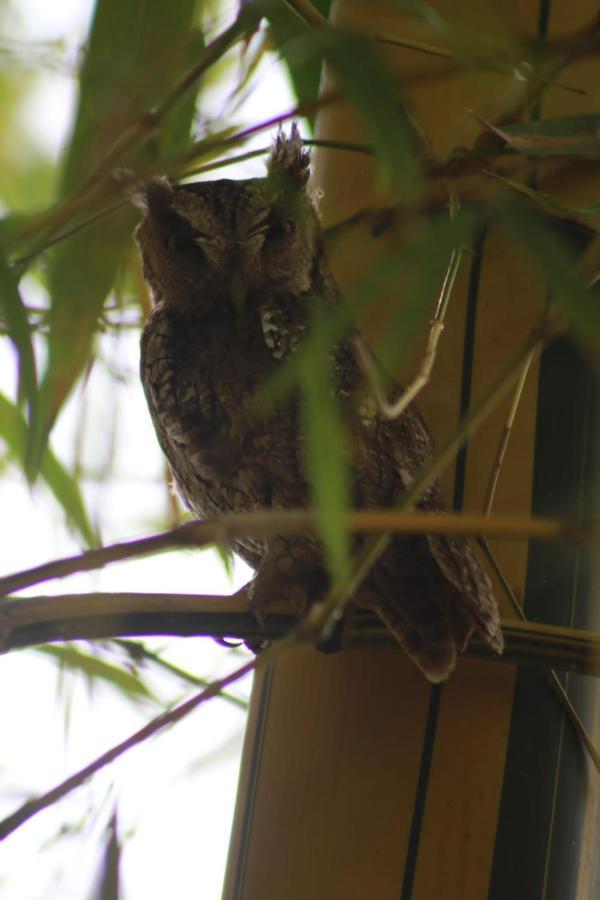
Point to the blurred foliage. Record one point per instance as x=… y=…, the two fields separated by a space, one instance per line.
x=94 y=668
x=140 y=111
x=143 y=77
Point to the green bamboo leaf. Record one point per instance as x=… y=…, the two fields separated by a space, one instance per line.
x=285 y=26
x=490 y=46
x=226 y=556
x=420 y=10
x=555 y=262
x=13 y=430
x=108 y=882
x=422 y=261
x=425 y=258
x=546 y=200
x=137 y=49
x=364 y=77
x=93 y=667
x=326 y=452
x=372 y=89
x=12 y=310
x=565 y=135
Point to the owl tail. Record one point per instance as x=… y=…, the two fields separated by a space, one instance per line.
x=459 y=565
x=433 y=645
x=433 y=594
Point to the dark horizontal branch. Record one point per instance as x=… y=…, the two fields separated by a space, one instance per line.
x=269 y=523
x=35 y=620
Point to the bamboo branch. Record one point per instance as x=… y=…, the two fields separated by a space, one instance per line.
x=267 y=523
x=308 y=13
x=560 y=644
x=392 y=410
x=305 y=631
x=29 y=621
x=177 y=166
x=136 y=135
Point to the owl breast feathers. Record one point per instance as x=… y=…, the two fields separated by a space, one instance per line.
x=235 y=268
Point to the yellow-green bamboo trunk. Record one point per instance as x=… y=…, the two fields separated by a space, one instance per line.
x=360 y=780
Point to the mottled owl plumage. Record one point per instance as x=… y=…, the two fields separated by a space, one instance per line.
x=234 y=267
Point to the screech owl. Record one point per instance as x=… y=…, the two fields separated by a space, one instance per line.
x=234 y=268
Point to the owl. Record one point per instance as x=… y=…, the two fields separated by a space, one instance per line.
x=235 y=269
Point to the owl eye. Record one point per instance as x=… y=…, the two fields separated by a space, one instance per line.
x=180 y=243
x=280 y=230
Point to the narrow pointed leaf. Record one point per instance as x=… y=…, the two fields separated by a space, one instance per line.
x=13 y=430
x=555 y=262
x=326 y=456
x=13 y=311
x=566 y=135
x=368 y=84
x=137 y=49
x=109 y=880
x=546 y=200
x=285 y=25
x=93 y=667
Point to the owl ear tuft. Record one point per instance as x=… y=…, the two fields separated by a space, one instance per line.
x=154 y=194
x=289 y=157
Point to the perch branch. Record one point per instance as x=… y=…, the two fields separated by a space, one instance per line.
x=522 y=634
x=307 y=630
x=29 y=621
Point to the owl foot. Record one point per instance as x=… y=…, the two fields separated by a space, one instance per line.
x=290 y=578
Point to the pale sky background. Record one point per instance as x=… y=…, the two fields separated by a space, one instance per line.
x=175 y=794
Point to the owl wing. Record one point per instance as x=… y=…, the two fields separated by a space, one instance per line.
x=184 y=412
x=432 y=592
x=165 y=395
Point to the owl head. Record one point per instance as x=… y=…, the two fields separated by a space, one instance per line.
x=204 y=242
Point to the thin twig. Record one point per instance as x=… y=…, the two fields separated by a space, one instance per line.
x=307 y=630
x=301 y=109
x=506 y=433
x=308 y=13
x=252 y=154
x=135 y=136
x=340 y=595
x=269 y=523
x=478 y=414
x=421 y=380
x=551 y=676
x=32 y=807
x=174 y=167
x=304 y=632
